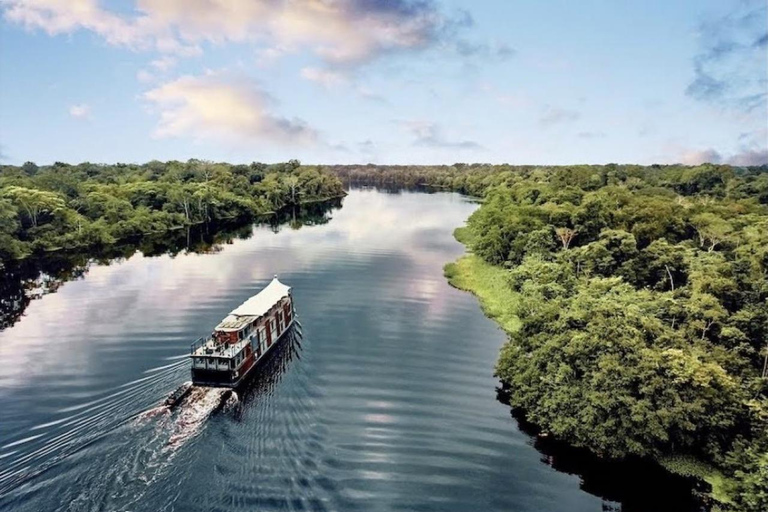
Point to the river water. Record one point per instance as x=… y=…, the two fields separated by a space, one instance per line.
x=388 y=402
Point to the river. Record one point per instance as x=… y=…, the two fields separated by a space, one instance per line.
x=388 y=402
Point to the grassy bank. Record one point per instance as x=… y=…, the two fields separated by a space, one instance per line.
x=487 y=282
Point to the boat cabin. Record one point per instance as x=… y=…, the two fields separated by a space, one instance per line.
x=240 y=340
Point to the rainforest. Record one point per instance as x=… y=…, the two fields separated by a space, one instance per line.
x=64 y=206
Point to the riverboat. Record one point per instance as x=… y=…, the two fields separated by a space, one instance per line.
x=228 y=356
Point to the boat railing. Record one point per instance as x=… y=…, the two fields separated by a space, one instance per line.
x=199 y=342
x=216 y=350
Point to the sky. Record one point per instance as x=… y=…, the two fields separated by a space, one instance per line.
x=384 y=81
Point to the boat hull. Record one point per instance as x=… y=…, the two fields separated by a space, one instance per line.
x=235 y=378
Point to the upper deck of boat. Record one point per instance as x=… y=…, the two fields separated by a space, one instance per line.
x=209 y=347
x=243 y=318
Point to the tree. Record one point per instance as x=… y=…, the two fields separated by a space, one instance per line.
x=610 y=252
x=661 y=266
x=566 y=236
x=597 y=369
x=183 y=197
x=292 y=182
x=33 y=202
x=712 y=230
x=10 y=246
x=29 y=168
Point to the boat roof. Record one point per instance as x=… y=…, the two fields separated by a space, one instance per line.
x=255 y=307
x=235 y=323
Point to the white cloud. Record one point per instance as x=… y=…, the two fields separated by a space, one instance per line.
x=745 y=157
x=558 y=115
x=750 y=157
x=324 y=77
x=65 y=16
x=266 y=56
x=702 y=156
x=222 y=107
x=144 y=76
x=164 y=63
x=514 y=99
x=339 y=31
x=430 y=135
x=81 y=111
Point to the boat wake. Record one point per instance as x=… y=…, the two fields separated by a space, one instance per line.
x=155 y=437
x=188 y=417
x=172 y=424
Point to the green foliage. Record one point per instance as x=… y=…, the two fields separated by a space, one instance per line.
x=488 y=282
x=641 y=297
x=723 y=487
x=68 y=206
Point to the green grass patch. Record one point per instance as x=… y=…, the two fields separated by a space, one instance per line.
x=722 y=486
x=487 y=282
x=464 y=235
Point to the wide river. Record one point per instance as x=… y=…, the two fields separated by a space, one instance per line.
x=387 y=403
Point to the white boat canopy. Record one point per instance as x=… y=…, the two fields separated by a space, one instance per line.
x=254 y=307
x=264 y=300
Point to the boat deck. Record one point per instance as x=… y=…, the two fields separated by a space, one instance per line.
x=208 y=347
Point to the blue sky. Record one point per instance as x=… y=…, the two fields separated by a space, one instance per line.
x=384 y=81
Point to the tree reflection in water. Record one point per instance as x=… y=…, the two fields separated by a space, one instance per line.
x=23 y=281
x=615 y=481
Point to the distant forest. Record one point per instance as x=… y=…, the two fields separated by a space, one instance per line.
x=640 y=297
x=62 y=206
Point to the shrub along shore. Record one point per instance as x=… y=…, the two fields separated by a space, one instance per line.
x=636 y=304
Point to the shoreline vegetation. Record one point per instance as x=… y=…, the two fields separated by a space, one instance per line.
x=63 y=207
x=487 y=283
x=635 y=299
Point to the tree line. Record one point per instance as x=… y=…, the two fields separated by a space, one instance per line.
x=62 y=206
x=642 y=295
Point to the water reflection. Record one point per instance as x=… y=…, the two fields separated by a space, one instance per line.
x=32 y=278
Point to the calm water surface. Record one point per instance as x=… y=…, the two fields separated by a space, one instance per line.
x=387 y=403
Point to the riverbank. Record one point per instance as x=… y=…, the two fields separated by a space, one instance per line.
x=489 y=284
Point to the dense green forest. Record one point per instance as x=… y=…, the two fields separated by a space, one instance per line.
x=61 y=206
x=638 y=299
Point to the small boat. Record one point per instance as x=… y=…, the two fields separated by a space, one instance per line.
x=243 y=338
x=175 y=397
